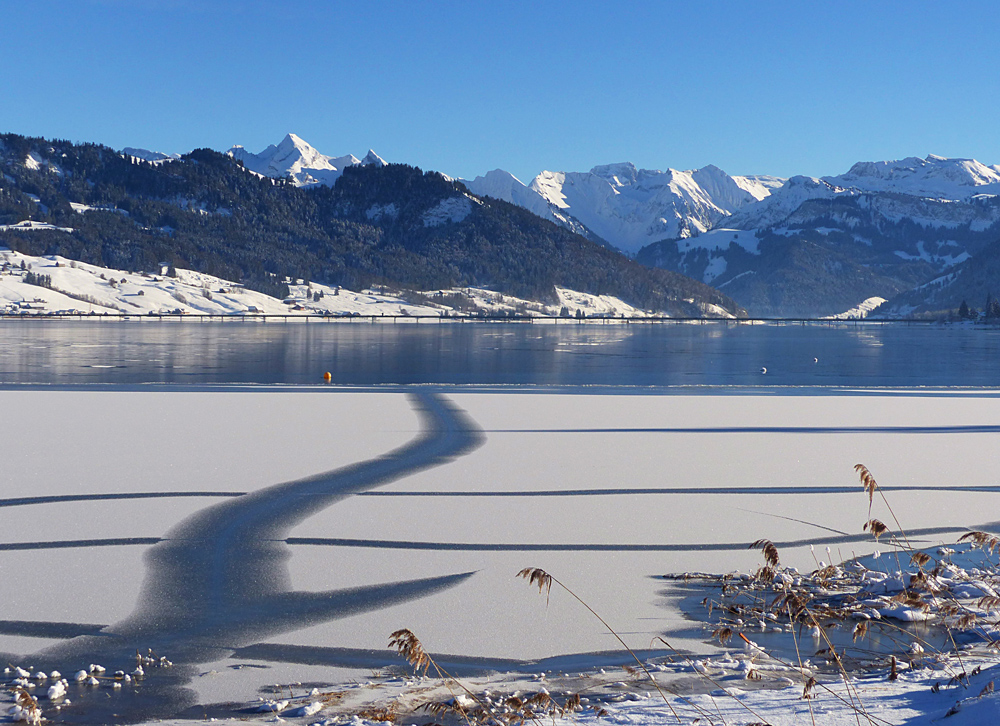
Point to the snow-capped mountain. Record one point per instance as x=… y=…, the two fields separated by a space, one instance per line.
x=631 y=207
x=798 y=246
x=783 y=201
x=147 y=155
x=814 y=244
x=297 y=160
x=618 y=204
x=935 y=176
x=503 y=185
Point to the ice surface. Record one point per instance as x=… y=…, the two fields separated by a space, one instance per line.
x=603 y=491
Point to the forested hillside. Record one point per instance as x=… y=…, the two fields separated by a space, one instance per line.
x=393 y=224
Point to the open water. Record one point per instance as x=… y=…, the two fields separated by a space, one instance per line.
x=713 y=354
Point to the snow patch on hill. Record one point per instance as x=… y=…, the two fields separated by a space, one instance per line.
x=452 y=209
x=599 y=305
x=82 y=208
x=380 y=211
x=30 y=226
x=859 y=311
x=949 y=260
x=34 y=162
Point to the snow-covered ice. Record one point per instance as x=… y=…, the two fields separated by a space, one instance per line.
x=603 y=491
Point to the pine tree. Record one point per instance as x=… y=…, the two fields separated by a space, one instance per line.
x=963 y=311
x=992 y=307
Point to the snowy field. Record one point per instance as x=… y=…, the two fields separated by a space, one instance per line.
x=55 y=285
x=118 y=505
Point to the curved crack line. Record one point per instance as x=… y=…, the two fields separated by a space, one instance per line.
x=219 y=579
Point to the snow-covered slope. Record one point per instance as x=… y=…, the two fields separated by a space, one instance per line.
x=71 y=287
x=632 y=207
x=503 y=185
x=783 y=201
x=859 y=311
x=935 y=176
x=297 y=160
x=759 y=185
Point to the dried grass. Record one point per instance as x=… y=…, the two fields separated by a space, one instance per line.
x=832 y=594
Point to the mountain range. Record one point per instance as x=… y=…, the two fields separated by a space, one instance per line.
x=293 y=213
x=920 y=232
x=917 y=231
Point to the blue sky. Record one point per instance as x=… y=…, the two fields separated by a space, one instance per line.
x=464 y=87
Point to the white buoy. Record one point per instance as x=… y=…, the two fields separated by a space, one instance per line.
x=815 y=360
x=763 y=369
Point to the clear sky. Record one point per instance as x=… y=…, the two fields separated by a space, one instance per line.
x=464 y=87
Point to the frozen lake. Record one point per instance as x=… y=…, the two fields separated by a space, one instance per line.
x=261 y=534
x=341 y=542
x=661 y=354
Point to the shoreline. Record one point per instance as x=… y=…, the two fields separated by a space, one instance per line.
x=488 y=319
x=528 y=389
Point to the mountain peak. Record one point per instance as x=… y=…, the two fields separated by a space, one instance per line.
x=630 y=207
x=713 y=170
x=372 y=158
x=296 y=142
x=297 y=159
x=619 y=174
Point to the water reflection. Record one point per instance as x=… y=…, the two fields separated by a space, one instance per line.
x=488 y=353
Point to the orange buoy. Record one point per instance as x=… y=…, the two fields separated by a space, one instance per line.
x=327 y=377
